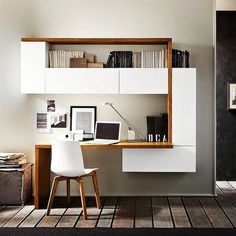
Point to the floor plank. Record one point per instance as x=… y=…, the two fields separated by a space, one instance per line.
x=33 y=219
x=2 y=207
x=19 y=217
x=124 y=213
x=107 y=213
x=52 y=219
x=227 y=206
x=143 y=212
x=161 y=213
x=67 y=221
x=215 y=214
x=228 y=190
x=70 y=217
x=178 y=212
x=196 y=214
x=7 y=213
x=93 y=215
x=233 y=184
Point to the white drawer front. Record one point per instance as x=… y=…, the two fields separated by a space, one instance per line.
x=82 y=81
x=33 y=63
x=184 y=106
x=144 y=81
x=178 y=159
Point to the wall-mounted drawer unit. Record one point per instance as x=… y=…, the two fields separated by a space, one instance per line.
x=33 y=62
x=82 y=81
x=144 y=81
x=178 y=159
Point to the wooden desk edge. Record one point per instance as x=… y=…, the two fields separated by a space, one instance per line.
x=120 y=145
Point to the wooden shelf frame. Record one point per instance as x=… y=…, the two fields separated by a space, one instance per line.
x=123 y=41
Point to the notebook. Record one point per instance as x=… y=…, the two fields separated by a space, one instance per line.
x=106 y=132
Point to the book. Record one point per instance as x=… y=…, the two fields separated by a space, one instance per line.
x=95 y=65
x=10 y=156
x=78 y=62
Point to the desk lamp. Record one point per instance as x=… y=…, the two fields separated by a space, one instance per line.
x=143 y=137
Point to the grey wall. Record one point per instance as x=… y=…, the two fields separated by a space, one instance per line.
x=188 y=22
x=226 y=71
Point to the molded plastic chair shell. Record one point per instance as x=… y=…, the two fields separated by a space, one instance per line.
x=67 y=158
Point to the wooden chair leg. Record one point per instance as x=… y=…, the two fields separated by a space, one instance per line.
x=96 y=189
x=68 y=191
x=52 y=193
x=82 y=196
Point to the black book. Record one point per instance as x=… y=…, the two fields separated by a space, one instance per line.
x=109 y=61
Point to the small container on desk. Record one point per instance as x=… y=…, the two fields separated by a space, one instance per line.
x=15 y=185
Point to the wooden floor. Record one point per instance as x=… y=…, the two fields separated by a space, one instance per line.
x=129 y=212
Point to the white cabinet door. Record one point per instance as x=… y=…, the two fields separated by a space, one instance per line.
x=184 y=106
x=144 y=81
x=178 y=159
x=82 y=81
x=33 y=63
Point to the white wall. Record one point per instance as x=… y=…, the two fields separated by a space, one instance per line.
x=225 y=5
x=188 y=22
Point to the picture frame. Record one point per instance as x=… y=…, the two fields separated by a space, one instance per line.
x=83 y=118
x=231 y=96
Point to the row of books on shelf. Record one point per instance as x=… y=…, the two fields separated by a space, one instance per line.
x=119 y=59
x=12 y=160
x=61 y=58
x=143 y=59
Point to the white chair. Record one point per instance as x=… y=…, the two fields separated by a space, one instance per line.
x=67 y=162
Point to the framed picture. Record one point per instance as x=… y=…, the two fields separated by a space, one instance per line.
x=83 y=118
x=231 y=96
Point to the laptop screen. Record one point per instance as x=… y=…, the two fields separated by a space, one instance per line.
x=107 y=130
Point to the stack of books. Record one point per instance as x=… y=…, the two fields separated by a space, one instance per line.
x=180 y=58
x=154 y=59
x=119 y=59
x=61 y=58
x=12 y=160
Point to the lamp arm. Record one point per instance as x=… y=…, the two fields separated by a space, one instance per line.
x=127 y=122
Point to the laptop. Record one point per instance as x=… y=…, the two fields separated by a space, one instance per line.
x=106 y=132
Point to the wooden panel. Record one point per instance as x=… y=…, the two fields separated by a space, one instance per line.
x=7 y=213
x=42 y=177
x=124 y=214
x=184 y=106
x=120 y=145
x=143 y=81
x=33 y=63
x=143 y=212
x=19 y=217
x=196 y=214
x=161 y=213
x=227 y=206
x=33 y=219
x=214 y=212
x=130 y=41
x=178 y=159
x=178 y=212
x=169 y=97
x=82 y=81
x=105 y=219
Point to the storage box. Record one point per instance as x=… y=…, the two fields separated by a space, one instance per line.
x=78 y=62
x=16 y=185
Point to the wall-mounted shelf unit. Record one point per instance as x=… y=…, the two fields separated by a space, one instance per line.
x=38 y=78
